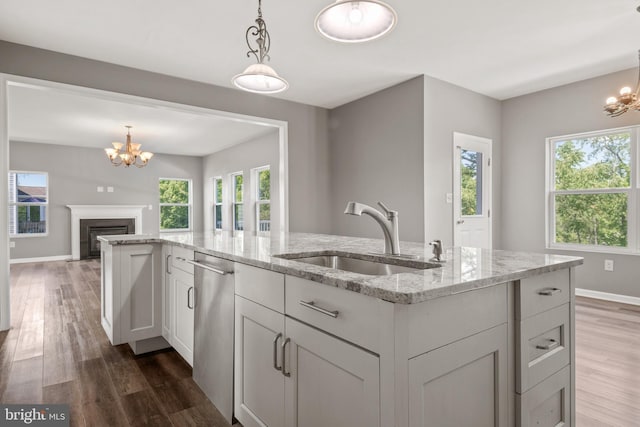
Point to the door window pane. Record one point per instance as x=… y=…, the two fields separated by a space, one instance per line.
x=471 y=182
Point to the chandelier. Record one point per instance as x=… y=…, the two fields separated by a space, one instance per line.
x=351 y=21
x=628 y=99
x=131 y=154
x=259 y=77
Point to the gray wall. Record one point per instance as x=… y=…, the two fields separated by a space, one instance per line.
x=376 y=155
x=308 y=148
x=259 y=152
x=527 y=121
x=74 y=175
x=448 y=109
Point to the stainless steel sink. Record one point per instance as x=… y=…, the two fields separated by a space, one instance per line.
x=351 y=262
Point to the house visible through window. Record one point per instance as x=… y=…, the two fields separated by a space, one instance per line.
x=28 y=202
x=175 y=204
x=237 y=189
x=263 y=198
x=217 y=203
x=592 y=191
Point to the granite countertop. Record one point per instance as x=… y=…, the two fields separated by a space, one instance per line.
x=465 y=268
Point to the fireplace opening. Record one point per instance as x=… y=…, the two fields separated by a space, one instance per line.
x=90 y=229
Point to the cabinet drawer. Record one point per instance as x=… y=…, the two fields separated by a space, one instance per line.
x=540 y=293
x=356 y=318
x=547 y=404
x=262 y=286
x=179 y=255
x=544 y=344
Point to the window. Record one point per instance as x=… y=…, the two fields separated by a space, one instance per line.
x=263 y=199
x=175 y=204
x=237 y=183
x=592 y=190
x=217 y=203
x=28 y=202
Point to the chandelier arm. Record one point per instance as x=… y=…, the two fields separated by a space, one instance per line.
x=254 y=30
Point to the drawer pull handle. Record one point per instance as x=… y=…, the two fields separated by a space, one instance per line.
x=275 y=352
x=284 y=346
x=312 y=305
x=551 y=345
x=549 y=291
x=189 y=293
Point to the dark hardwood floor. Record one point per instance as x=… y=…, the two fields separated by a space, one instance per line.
x=57 y=352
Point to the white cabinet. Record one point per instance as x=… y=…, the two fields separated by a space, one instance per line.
x=131 y=291
x=290 y=374
x=461 y=384
x=178 y=300
x=183 y=299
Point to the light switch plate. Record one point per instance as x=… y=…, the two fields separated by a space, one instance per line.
x=100 y=189
x=109 y=189
x=449 y=197
x=608 y=265
x=12 y=244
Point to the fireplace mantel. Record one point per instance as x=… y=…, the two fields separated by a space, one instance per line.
x=79 y=212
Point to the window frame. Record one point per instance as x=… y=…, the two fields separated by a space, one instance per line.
x=256 y=194
x=189 y=206
x=16 y=204
x=217 y=202
x=633 y=207
x=234 y=202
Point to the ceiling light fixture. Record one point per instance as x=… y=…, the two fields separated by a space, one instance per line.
x=350 y=21
x=130 y=155
x=259 y=78
x=628 y=99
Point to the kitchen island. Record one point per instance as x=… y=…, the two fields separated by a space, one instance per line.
x=485 y=338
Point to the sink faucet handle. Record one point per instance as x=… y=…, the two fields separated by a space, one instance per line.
x=390 y=213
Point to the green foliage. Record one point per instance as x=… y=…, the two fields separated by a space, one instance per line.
x=237 y=184
x=469 y=182
x=264 y=185
x=174 y=192
x=602 y=162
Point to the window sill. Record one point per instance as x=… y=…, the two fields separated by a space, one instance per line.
x=596 y=250
x=27 y=236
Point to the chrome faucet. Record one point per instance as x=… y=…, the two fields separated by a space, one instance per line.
x=437 y=250
x=388 y=222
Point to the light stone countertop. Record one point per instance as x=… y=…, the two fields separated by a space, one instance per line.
x=465 y=268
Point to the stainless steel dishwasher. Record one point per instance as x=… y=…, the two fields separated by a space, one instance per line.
x=213 y=334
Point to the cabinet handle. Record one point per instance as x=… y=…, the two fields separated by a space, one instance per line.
x=189 y=293
x=549 y=291
x=168 y=264
x=275 y=352
x=552 y=344
x=312 y=305
x=284 y=346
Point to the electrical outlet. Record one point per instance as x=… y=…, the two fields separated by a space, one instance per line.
x=449 y=197
x=608 y=265
x=100 y=189
x=109 y=189
x=150 y=207
x=12 y=244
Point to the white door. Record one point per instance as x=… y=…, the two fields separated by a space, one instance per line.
x=471 y=191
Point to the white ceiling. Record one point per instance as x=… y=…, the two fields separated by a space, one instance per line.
x=53 y=116
x=501 y=48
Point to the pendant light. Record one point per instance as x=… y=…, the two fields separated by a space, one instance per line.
x=259 y=78
x=350 y=21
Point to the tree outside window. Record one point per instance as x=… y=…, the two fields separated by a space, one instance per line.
x=237 y=189
x=28 y=202
x=175 y=204
x=263 y=199
x=217 y=203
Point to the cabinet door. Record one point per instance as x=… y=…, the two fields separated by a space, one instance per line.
x=461 y=384
x=331 y=383
x=141 y=293
x=259 y=384
x=183 y=301
x=167 y=316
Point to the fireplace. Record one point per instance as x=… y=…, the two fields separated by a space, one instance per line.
x=102 y=213
x=90 y=229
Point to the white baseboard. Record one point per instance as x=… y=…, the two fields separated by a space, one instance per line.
x=40 y=259
x=625 y=299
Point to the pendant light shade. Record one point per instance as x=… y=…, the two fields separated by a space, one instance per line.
x=260 y=78
x=356 y=21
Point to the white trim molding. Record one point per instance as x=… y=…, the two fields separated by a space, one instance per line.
x=79 y=212
x=41 y=259
x=624 y=299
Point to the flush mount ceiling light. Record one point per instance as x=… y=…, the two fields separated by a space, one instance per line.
x=356 y=21
x=259 y=78
x=131 y=154
x=628 y=99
